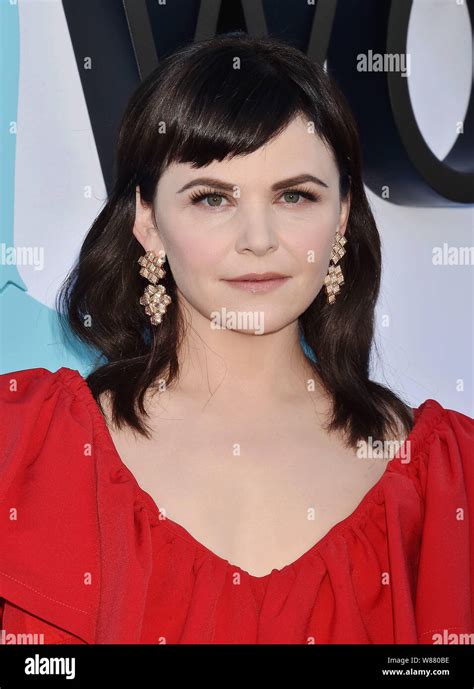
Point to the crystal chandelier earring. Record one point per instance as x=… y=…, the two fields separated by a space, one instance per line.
x=154 y=299
x=334 y=277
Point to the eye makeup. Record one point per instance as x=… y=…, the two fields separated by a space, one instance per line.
x=306 y=193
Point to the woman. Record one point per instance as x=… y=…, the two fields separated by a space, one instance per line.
x=227 y=473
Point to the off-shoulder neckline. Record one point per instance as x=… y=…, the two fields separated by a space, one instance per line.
x=426 y=417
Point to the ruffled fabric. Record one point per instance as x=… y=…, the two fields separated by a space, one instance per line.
x=99 y=563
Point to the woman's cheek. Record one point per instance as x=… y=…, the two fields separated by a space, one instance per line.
x=193 y=262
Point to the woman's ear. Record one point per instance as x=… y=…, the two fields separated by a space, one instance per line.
x=144 y=227
x=344 y=214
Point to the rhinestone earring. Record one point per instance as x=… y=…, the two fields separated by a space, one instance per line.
x=154 y=299
x=334 y=277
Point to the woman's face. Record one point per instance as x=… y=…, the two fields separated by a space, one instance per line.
x=249 y=220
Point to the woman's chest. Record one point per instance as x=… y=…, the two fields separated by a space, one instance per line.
x=259 y=495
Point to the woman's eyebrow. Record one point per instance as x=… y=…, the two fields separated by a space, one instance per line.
x=219 y=184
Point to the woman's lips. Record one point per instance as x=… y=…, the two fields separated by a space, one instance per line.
x=258 y=286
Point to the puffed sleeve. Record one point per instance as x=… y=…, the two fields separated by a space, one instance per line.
x=445 y=582
x=49 y=560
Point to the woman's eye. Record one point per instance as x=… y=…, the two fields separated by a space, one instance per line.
x=291 y=196
x=214 y=199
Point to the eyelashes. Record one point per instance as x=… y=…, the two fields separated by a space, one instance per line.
x=306 y=193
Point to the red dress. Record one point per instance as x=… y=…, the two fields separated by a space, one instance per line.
x=86 y=556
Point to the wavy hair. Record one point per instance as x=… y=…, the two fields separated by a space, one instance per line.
x=196 y=107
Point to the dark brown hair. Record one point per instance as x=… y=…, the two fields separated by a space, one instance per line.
x=197 y=107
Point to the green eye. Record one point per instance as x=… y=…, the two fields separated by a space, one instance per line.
x=292 y=195
x=214 y=197
x=202 y=195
